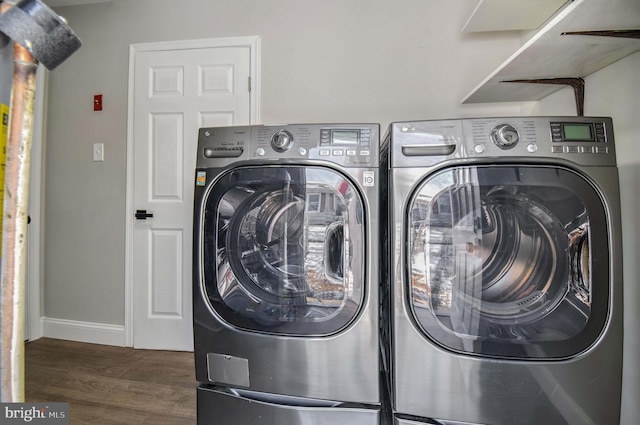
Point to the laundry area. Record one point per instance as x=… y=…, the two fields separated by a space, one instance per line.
x=361 y=212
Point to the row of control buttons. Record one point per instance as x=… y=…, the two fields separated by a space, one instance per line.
x=262 y=152
x=324 y=152
x=365 y=137
x=556 y=132
x=325 y=136
x=600 y=137
x=480 y=148
x=580 y=149
x=341 y=152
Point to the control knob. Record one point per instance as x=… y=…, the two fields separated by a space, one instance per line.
x=505 y=136
x=281 y=141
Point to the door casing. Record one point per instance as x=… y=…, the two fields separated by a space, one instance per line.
x=253 y=43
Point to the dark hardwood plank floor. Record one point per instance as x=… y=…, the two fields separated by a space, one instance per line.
x=107 y=385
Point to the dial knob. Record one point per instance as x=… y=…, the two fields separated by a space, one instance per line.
x=505 y=136
x=281 y=141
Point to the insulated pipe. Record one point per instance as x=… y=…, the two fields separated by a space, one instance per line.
x=38 y=34
x=14 y=229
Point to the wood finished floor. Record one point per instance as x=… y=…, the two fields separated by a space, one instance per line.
x=107 y=385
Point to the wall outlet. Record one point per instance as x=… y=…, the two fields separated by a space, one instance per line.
x=98 y=151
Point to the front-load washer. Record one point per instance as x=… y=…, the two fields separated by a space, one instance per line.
x=285 y=293
x=503 y=242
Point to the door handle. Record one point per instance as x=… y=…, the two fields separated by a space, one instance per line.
x=428 y=150
x=143 y=215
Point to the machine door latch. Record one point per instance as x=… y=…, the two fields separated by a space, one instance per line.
x=143 y=215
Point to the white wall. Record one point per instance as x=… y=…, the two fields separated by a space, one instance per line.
x=615 y=92
x=322 y=61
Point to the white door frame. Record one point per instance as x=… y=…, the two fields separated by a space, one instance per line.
x=253 y=43
x=35 y=235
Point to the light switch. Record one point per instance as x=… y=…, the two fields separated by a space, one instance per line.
x=98 y=151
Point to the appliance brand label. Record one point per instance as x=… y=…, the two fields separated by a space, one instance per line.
x=368 y=178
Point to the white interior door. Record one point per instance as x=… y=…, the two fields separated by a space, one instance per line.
x=175 y=93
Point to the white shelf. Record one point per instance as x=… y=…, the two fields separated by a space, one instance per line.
x=510 y=15
x=548 y=54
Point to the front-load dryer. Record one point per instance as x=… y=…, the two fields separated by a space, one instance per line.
x=285 y=294
x=504 y=271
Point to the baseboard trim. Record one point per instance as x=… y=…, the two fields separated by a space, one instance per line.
x=72 y=330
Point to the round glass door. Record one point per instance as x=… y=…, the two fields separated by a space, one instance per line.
x=502 y=261
x=283 y=249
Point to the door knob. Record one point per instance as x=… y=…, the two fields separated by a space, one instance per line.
x=143 y=215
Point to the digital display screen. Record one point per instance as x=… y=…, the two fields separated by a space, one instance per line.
x=582 y=132
x=345 y=137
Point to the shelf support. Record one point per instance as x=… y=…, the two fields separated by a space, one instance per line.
x=576 y=83
x=607 y=33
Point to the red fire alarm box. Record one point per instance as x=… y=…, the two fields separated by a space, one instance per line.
x=97 y=102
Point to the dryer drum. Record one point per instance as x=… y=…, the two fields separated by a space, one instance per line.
x=524 y=259
x=265 y=246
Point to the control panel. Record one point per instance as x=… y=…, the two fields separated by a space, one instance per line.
x=351 y=145
x=350 y=142
x=582 y=140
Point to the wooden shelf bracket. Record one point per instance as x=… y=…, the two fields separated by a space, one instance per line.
x=576 y=83
x=607 y=33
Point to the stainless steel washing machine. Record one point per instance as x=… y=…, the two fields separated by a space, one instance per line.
x=285 y=295
x=504 y=271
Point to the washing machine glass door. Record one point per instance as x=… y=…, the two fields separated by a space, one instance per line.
x=509 y=261
x=283 y=249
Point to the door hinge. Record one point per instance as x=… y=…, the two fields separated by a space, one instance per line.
x=249 y=84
